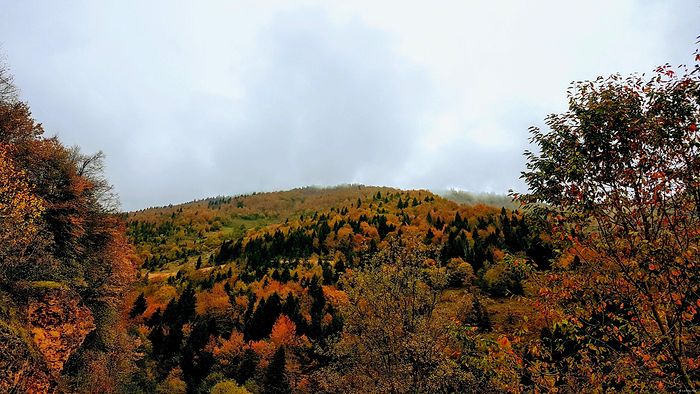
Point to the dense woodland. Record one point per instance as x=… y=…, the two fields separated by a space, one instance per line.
x=589 y=282
x=290 y=284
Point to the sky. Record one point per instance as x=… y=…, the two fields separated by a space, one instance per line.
x=192 y=99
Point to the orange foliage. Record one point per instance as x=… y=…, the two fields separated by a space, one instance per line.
x=214 y=301
x=229 y=350
x=283 y=332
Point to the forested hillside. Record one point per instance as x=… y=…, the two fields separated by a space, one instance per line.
x=250 y=275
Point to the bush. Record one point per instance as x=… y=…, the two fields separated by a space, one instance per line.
x=505 y=277
x=459 y=273
x=228 y=387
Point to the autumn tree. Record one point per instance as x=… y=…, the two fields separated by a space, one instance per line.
x=618 y=176
x=393 y=342
x=59 y=228
x=20 y=211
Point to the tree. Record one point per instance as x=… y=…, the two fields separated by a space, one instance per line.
x=187 y=304
x=478 y=316
x=8 y=90
x=248 y=366
x=618 y=176
x=392 y=342
x=58 y=230
x=139 y=306
x=20 y=211
x=228 y=387
x=276 y=381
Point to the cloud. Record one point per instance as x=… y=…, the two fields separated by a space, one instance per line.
x=328 y=104
x=190 y=100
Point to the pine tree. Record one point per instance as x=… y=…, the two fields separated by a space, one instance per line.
x=479 y=316
x=429 y=236
x=199 y=263
x=248 y=366
x=327 y=273
x=139 y=306
x=170 y=315
x=339 y=269
x=275 y=376
x=186 y=304
x=292 y=309
x=318 y=303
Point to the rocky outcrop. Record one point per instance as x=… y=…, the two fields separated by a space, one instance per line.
x=37 y=339
x=58 y=323
x=23 y=370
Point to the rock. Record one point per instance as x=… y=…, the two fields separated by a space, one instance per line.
x=37 y=335
x=23 y=371
x=59 y=323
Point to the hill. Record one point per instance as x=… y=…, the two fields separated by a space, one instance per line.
x=254 y=268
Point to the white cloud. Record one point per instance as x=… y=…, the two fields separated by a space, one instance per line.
x=190 y=99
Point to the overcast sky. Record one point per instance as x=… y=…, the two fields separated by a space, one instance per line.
x=204 y=98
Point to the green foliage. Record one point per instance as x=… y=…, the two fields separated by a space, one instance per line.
x=478 y=316
x=505 y=277
x=248 y=366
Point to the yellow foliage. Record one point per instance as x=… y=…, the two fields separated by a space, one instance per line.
x=19 y=208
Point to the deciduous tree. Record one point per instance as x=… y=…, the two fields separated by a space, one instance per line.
x=618 y=175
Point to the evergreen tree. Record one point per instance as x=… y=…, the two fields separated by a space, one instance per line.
x=157 y=339
x=186 y=304
x=248 y=366
x=339 y=269
x=170 y=315
x=318 y=303
x=196 y=362
x=327 y=273
x=479 y=316
x=260 y=324
x=276 y=381
x=171 y=344
x=155 y=318
x=139 y=306
x=292 y=309
x=199 y=263
x=429 y=236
